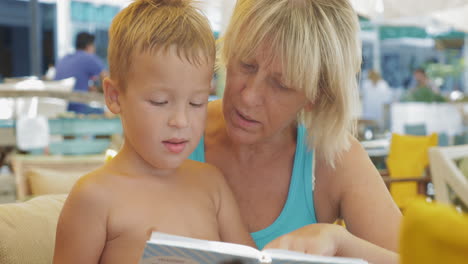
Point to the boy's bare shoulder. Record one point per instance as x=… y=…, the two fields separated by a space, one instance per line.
x=92 y=187
x=201 y=169
x=204 y=175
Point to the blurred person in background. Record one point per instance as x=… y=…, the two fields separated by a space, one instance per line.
x=85 y=66
x=422 y=80
x=424 y=89
x=375 y=93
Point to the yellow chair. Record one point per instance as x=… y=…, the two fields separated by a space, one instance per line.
x=406 y=163
x=433 y=234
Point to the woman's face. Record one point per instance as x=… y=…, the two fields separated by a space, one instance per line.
x=258 y=105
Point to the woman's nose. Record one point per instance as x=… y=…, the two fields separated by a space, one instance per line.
x=252 y=94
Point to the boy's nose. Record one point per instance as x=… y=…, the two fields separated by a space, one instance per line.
x=179 y=119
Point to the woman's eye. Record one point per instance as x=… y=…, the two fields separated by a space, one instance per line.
x=158 y=103
x=281 y=86
x=248 y=67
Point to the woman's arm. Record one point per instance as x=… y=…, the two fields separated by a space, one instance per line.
x=333 y=240
x=355 y=247
x=372 y=218
x=365 y=202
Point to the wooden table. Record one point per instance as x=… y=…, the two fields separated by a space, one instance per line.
x=79 y=97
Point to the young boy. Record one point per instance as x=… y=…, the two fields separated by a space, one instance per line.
x=161 y=58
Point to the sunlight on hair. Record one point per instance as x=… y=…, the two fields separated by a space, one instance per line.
x=153 y=25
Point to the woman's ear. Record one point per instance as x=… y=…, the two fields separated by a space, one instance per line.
x=111 y=94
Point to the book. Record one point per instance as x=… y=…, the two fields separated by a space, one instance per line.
x=170 y=249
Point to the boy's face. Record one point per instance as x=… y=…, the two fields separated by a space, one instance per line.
x=163 y=108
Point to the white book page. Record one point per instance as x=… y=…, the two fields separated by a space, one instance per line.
x=204 y=245
x=278 y=256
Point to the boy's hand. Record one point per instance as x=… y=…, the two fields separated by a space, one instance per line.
x=317 y=239
x=149 y=232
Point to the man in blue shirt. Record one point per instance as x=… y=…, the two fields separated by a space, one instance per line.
x=84 y=65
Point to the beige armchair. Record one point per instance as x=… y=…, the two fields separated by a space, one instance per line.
x=27 y=230
x=42 y=174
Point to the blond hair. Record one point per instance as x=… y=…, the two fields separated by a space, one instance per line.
x=152 y=25
x=318 y=45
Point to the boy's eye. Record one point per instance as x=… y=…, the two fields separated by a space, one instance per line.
x=157 y=103
x=197 y=104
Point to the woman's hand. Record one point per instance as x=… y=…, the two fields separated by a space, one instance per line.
x=333 y=240
x=317 y=239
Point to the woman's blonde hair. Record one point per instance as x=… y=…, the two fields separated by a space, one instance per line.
x=318 y=45
x=152 y=25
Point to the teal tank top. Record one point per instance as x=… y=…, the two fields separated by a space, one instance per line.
x=298 y=210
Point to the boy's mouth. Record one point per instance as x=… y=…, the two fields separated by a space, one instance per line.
x=175 y=145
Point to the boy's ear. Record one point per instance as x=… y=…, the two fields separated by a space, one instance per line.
x=309 y=106
x=111 y=95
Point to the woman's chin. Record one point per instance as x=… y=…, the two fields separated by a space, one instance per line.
x=240 y=136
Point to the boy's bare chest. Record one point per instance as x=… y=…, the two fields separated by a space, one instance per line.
x=183 y=212
x=136 y=214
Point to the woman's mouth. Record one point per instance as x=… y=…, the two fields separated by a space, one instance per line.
x=245 y=120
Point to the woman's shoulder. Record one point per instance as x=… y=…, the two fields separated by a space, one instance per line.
x=348 y=161
x=215 y=109
x=351 y=166
x=346 y=158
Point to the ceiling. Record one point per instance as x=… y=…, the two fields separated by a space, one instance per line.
x=426 y=13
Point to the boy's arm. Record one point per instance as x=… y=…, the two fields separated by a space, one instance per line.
x=81 y=229
x=231 y=227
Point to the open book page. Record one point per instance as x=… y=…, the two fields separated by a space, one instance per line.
x=170 y=249
x=279 y=256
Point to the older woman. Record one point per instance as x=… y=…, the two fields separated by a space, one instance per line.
x=282 y=133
